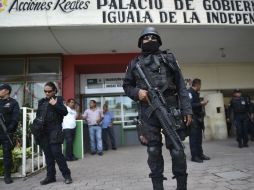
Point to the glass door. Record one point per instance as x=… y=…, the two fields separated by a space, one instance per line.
x=124 y=109
x=114 y=105
x=130 y=112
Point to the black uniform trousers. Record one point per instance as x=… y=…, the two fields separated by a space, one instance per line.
x=69 y=135
x=241 y=123
x=251 y=128
x=7 y=154
x=195 y=138
x=108 y=132
x=154 y=150
x=53 y=152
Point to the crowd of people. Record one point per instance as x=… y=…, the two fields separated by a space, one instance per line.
x=154 y=80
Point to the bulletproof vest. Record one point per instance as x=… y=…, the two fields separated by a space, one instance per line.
x=52 y=116
x=158 y=72
x=6 y=107
x=239 y=105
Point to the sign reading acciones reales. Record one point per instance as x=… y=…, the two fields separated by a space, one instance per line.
x=96 y=12
x=35 y=5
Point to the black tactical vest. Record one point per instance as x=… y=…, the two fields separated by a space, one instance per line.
x=239 y=105
x=158 y=71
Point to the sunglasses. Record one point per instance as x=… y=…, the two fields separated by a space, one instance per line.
x=152 y=37
x=48 y=91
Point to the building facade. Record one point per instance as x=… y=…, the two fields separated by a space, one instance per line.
x=85 y=46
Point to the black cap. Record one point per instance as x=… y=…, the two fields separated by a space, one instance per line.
x=5 y=86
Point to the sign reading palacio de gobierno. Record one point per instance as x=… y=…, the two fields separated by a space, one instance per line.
x=177 y=11
x=233 y=12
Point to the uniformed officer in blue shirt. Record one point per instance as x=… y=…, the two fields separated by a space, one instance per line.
x=9 y=110
x=197 y=126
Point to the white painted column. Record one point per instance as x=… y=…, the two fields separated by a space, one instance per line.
x=215 y=121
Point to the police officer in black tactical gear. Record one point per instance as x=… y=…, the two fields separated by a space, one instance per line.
x=167 y=77
x=250 y=123
x=197 y=125
x=239 y=107
x=52 y=137
x=9 y=110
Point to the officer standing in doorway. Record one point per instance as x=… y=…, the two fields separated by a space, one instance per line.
x=197 y=125
x=9 y=113
x=166 y=76
x=239 y=107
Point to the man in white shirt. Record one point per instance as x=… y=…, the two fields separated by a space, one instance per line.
x=93 y=116
x=69 y=129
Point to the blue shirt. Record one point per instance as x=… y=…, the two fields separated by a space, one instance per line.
x=195 y=102
x=107 y=119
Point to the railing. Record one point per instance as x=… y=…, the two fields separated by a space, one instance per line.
x=28 y=116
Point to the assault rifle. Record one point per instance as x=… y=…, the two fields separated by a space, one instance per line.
x=3 y=126
x=170 y=119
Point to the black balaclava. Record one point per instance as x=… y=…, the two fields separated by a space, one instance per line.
x=150 y=47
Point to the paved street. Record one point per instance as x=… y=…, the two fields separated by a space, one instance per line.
x=230 y=168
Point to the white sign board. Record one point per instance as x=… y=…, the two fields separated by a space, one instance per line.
x=121 y=12
x=101 y=83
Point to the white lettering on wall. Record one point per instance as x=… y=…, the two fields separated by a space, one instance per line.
x=103 y=12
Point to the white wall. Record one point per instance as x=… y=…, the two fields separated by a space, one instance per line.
x=221 y=76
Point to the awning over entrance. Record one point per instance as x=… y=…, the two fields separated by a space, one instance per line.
x=191 y=44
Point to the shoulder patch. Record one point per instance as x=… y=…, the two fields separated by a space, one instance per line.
x=190 y=95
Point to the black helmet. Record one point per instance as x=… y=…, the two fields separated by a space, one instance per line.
x=149 y=30
x=237 y=91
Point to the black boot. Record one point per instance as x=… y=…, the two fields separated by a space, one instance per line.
x=67 y=179
x=181 y=182
x=7 y=177
x=48 y=180
x=157 y=183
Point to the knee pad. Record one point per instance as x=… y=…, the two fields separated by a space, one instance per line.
x=179 y=165
x=154 y=151
x=178 y=155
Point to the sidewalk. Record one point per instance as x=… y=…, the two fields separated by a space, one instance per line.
x=230 y=168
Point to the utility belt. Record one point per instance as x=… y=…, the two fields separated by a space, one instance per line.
x=93 y=125
x=50 y=124
x=240 y=112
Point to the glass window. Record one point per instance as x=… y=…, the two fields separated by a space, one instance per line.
x=34 y=92
x=44 y=65
x=114 y=105
x=12 y=66
x=17 y=92
x=130 y=112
